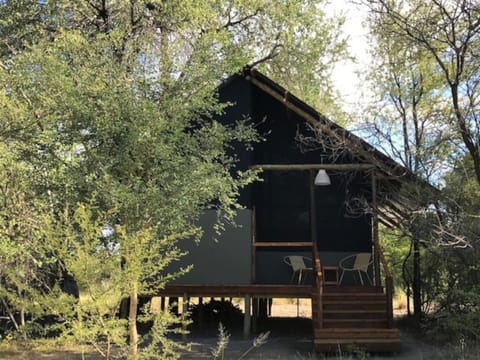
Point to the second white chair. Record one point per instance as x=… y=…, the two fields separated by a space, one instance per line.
x=357 y=262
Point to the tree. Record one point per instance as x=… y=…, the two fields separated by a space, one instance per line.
x=449 y=31
x=407 y=122
x=455 y=286
x=426 y=77
x=109 y=107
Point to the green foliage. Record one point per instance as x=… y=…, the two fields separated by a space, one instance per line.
x=457 y=304
x=426 y=82
x=218 y=352
x=109 y=148
x=217 y=311
x=447 y=36
x=409 y=112
x=157 y=345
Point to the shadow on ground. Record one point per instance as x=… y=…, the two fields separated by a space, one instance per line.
x=290 y=338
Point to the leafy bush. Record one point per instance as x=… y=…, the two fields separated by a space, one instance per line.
x=216 y=311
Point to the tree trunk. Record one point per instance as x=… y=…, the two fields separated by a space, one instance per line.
x=132 y=322
x=416 y=285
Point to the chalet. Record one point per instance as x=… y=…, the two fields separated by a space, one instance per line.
x=323 y=193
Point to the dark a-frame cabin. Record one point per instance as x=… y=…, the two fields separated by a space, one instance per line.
x=286 y=215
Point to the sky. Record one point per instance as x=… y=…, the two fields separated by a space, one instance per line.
x=345 y=76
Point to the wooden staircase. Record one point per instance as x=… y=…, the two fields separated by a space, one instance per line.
x=347 y=317
x=353 y=317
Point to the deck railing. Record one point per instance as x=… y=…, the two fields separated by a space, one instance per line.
x=388 y=283
x=318 y=286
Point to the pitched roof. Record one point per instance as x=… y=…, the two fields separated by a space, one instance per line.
x=391 y=177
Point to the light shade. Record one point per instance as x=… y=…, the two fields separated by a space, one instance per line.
x=322 y=178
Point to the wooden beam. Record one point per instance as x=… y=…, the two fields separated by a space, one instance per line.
x=386 y=222
x=313 y=207
x=253 y=275
x=284 y=244
x=232 y=290
x=247 y=318
x=293 y=167
x=376 y=258
x=185 y=301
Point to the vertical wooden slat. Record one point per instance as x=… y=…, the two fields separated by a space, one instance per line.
x=254 y=248
x=380 y=258
x=317 y=306
x=313 y=209
x=388 y=285
x=247 y=318
x=376 y=257
x=185 y=301
x=255 y=313
x=200 y=313
x=389 y=294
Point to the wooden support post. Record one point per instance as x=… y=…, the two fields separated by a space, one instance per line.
x=301 y=167
x=253 y=274
x=416 y=284
x=247 y=318
x=263 y=308
x=255 y=313
x=313 y=208
x=185 y=302
x=376 y=257
x=200 y=313
x=389 y=290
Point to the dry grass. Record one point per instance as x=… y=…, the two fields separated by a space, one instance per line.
x=399 y=303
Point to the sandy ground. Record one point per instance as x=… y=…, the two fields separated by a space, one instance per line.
x=294 y=347
x=277 y=347
x=290 y=338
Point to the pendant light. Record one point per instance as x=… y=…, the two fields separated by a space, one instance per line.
x=322 y=178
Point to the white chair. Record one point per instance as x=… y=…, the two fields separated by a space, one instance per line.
x=356 y=262
x=297 y=263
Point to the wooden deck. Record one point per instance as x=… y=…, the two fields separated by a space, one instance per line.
x=345 y=316
x=342 y=316
x=256 y=290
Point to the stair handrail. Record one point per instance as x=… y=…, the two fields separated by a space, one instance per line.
x=319 y=284
x=388 y=283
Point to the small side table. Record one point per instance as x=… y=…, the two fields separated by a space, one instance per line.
x=330 y=275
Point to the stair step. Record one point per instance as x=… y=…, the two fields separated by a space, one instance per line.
x=355 y=323
x=352 y=289
x=355 y=333
x=371 y=345
x=354 y=297
x=354 y=314
x=358 y=305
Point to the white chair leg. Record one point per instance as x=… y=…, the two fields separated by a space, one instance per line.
x=369 y=279
x=361 y=278
x=341 y=277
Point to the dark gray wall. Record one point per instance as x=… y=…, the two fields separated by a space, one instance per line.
x=226 y=261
